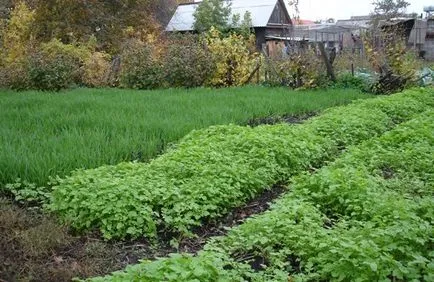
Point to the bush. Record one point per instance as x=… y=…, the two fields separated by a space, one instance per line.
x=188 y=63
x=96 y=69
x=140 y=67
x=52 y=73
x=15 y=76
x=302 y=69
x=17 y=41
x=235 y=58
x=395 y=65
x=347 y=80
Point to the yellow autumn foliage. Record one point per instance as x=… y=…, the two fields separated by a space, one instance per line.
x=17 y=34
x=234 y=56
x=96 y=69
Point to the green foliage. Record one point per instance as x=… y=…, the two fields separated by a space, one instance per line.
x=349 y=221
x=176 y=268
x=212 y=13
x=244 y=26
x=54 y=66
x=209 y=172
x=216 y=14
x=188 y=63
x=51 y=73
x=141 y=68
x=87 y=128
x=347 y=80
x=213 y=170
x=27 y=193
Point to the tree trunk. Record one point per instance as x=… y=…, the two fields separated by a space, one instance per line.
x=329 y=66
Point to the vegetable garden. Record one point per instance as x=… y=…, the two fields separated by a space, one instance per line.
x=54 y=134
x=367 y=216
x=357 y=203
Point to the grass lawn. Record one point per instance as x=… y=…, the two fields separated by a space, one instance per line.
x=48 y=134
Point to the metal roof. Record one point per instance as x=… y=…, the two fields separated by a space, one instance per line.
x=260 y=10
x=355 y=23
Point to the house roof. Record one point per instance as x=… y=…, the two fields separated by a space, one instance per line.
x=260 y=10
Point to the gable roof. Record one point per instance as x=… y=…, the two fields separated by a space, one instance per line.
x=260 y=10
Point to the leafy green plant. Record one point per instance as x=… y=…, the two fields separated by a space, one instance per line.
x=188 y=63
x=141 y=68
x=28 y=193
x=347 y=80
x=52 y=73
x=213 y=170
x=347 y=222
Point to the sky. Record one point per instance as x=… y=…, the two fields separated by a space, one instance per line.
x=344 y=9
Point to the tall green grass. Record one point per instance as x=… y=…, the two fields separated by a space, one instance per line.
x=48 y=134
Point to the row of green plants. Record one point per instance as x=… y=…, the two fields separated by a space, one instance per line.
x=87 y=128
x=365 y=217
x=214 y=170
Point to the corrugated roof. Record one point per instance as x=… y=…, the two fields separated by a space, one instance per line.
x=260 y=10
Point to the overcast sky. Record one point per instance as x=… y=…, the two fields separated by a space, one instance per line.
x=343 y=9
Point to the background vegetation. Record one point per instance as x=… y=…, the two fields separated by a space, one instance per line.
x=53 y=45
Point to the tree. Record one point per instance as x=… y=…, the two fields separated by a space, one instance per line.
x=388 y=9
x=212 y=13
x=77 y=20
x=17 y=35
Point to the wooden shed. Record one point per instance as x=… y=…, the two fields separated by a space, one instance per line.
x=270 y=19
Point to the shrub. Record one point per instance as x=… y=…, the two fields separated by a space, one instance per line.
x=234 y=56
x=188 y=62
x=303 y=69
x=16 y=43
x=80 y=52
x=395 y=65
x=52 y=73
x=347 y=80
x=96 y=69
x=140 y=67
x=17 y=34
x=15 y=75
